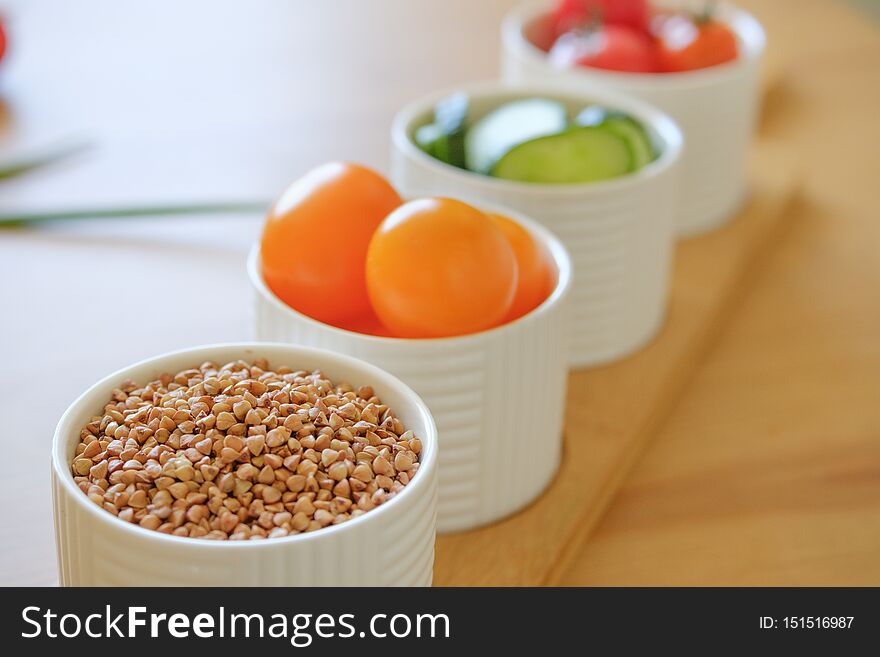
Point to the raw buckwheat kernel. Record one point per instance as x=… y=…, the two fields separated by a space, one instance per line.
x=243 y=452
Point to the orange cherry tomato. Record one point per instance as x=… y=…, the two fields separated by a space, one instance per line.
x=315 y=240
x=687 y=44
x=367 y=325
x=537 y=272
x=438 y=268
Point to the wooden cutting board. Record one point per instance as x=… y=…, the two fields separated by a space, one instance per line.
x=613 y=411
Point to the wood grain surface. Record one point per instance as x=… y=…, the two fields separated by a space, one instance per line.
x=767 y=471
x=613 y=411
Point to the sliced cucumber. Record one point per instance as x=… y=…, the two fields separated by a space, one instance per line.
x=622 y=125
x=578 y=155
x=427 y=137
x=490 y=138
x=595 y=115
x=444 y=138
x=635 y=136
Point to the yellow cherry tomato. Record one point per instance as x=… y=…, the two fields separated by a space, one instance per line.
x=315 y=240
x=437 y=267
x=537 y=272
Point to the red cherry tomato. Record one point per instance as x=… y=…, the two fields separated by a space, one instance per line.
x=569 y=15
x=686 y=44
x=437 y=268
x=574 y=14
x=314 y=244
x=613 y=47
x=537 y=272
x=2 y=40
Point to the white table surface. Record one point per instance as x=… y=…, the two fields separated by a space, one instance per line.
x=222 y=100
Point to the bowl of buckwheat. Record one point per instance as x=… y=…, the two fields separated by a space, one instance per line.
x=253 y=464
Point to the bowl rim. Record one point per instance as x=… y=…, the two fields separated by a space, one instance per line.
x=659 y=122
x=553 y=244
x=428 y=459
x=748 y=29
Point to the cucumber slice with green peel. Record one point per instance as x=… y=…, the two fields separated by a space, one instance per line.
x=446 y=147
x=578 y=155
x=635 y=136
x=511 y=124
x=444 y=138
x=427 y=137
x=595 y=115
x=623 y=125
x=451 y=113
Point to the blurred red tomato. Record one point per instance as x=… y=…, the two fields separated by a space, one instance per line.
x=2 y=39
x=612 y=47
x=687 y=44
x=573 y=14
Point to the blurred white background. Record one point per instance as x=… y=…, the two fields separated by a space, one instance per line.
x=182 y=101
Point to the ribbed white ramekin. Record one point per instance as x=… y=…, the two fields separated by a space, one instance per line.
x=392 y=545
x=497 y=396
x=716 y=108
x=619 y=232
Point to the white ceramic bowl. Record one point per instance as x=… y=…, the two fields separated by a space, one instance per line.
x=392 y=545
x=619 y=232
x=497 y=396
x=716 y=107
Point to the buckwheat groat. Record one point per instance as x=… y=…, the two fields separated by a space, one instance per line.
x=243 y=452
